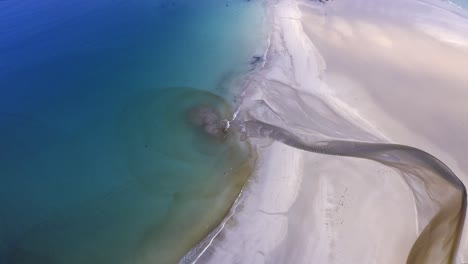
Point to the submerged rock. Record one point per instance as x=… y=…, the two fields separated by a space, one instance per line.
x=208 y=118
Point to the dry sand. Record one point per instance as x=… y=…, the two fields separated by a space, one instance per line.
x=364 y=70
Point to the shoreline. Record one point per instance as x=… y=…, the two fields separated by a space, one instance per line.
x=274 y=60
x=272 y=220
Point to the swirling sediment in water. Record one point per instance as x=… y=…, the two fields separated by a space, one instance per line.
x=169 y=176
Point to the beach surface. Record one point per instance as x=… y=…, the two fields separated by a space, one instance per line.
x=366 y=71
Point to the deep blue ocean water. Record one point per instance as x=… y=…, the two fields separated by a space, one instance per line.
x=98 y=163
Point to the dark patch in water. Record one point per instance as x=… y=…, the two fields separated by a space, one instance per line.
x=256 y=60
x=23 y=256
x=209 y=119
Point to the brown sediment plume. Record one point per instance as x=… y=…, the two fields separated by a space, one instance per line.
x=209 y=120
x=179 y=182
x=433 y=185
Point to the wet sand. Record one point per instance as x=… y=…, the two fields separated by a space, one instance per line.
x=402 y=66
x=402 y=79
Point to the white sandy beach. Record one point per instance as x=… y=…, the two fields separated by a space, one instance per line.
x=365 y=70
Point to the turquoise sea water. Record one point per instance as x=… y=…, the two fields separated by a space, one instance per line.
x=461 y=3
x=98 y=162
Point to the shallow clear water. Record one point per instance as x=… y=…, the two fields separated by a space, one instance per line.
x=97 y=159
x=461 y=3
